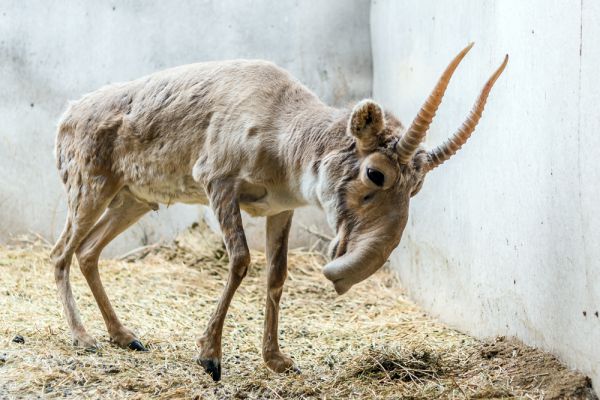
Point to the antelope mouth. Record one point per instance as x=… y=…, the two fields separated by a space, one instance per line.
x=341 y=286
x=336 y=272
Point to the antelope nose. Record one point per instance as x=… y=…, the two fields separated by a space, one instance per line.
x=333 y=273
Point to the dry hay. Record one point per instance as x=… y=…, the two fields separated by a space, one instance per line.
x=371 y=343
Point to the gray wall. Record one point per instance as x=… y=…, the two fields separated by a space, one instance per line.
x=52 y=52
x=505 y=237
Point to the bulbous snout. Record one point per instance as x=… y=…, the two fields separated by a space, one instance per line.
x=356 y=265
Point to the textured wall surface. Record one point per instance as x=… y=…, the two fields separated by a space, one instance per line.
x=52 y=52
x=505 y=237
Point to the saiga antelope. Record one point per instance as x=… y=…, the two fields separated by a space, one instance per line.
x=240 y=135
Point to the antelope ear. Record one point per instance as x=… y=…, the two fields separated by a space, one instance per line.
x=366 y=123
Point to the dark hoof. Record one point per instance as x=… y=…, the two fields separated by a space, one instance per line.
x=212 y=367
x=19 y=339
x=136 y=345
x=91 y=349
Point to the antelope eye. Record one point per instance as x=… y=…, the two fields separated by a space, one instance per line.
x=375 y=176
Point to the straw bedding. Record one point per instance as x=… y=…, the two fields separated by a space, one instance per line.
x=370 y=343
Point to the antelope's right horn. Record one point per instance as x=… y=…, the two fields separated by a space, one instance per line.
x=409 y=142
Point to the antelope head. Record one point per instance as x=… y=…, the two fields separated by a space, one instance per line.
x=366 y=189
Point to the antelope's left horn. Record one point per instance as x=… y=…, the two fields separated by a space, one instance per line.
x=409 y=142
x=443 y=152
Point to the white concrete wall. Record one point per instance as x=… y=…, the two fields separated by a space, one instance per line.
x=504 y=239
x=52 y=52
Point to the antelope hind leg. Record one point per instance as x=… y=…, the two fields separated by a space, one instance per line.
x=87 y=201
x=123 y=212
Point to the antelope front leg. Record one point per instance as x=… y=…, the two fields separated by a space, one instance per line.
x=223 y=200
x=278 y=228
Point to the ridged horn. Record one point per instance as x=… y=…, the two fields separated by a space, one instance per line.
x=443 y=152
x=409 y=142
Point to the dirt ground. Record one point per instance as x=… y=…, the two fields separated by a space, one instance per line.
x=369 y=343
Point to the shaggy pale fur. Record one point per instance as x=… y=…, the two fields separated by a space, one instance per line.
x=235 y=135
